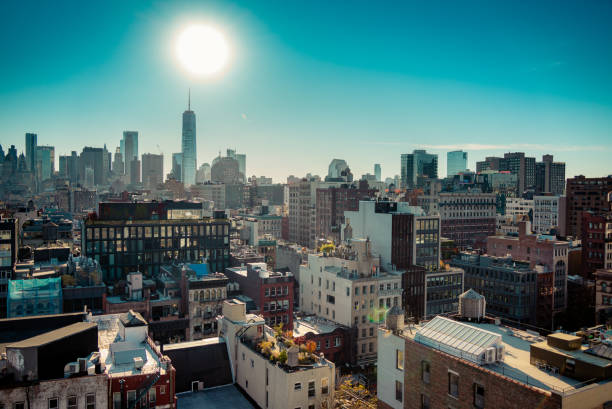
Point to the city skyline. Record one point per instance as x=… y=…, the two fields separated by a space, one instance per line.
x=441 y=92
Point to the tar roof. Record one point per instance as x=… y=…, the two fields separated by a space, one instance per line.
x=54 y=335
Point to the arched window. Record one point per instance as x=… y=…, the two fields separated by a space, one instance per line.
x=207 y=296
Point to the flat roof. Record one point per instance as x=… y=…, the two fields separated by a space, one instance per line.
x=577 y=354
x=517 y=364
x=54 y=335
x=316 y=325
x=223 y=397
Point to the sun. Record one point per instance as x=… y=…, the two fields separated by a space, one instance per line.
x=202 y=50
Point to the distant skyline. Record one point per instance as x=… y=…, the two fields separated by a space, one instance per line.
x=311 y=81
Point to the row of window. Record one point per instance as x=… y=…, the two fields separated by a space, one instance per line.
x=157 y=231
x=54 y=403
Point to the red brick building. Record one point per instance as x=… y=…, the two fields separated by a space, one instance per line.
x=333 y=340
x=584 y=194
x=596 y=237
x=271 y=291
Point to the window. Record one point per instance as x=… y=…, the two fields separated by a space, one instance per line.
x=152 y=397
x=479 y=396
x=71 y=402
x=338 y=342
x=356 y=290
x=131 y=398
x=53 y=403
x=371 y=331
x=398 y=391
x=19 y=405
x=311 y=389
x=425 y=402
x=297 y=386
x=363 y=348
x=252 y=364
x=399 y=359
x=324 y=386
x=116 y=400
x=162 y=390
x=425 y=371
x=453 y=384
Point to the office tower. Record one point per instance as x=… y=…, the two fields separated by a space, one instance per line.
x=63 y=166
x=550 y=176
x=188 y=146
x=177 y=166
x=377 y=172
x=73 y=168
x=134 y=172
x=118 y=164
x=130 y=150
x=31 y=140
x=92 y=158
x=152 y=170
x=417 y=166
x=456 y=162
x=241 y=158
x=226 y=170
x=585 y=194
x=515 y=162
x=45 y=161
x=185 y=235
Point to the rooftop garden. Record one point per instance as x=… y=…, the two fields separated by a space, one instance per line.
x=278 y=346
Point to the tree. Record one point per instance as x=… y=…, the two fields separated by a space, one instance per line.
x=311 y=347
x=350 y=395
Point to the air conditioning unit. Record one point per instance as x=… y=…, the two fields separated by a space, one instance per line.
x=501 y=352
x=490 y=355
x=138 y=363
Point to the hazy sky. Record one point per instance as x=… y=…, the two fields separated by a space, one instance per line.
x=312 y=80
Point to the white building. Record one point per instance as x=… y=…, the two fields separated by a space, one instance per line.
x=545 y=213
x=517 y=206
x=272 y=385
x=351 y=289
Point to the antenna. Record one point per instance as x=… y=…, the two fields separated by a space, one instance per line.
x=189 y=101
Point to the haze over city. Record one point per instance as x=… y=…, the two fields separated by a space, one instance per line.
x=306 y=82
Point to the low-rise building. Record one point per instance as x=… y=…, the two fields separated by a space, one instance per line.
x=271 y=291
x=332 y=340
x=450 y=363
x=442 y=290
x=296 y=380
x=603 y=295
x=510 y=287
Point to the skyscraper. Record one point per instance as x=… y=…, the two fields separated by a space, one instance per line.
x=377 y=172
x=188 y=146
x=416 y=166
x=177 y=166
x=130 y=151
x=45 y=161
x=152 y=170
x=31 y=140
x=93 y=159
x=456 y=161
x=550 y=176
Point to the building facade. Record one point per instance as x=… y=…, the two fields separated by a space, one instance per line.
x=547 y=214
x=467 y=218
x=585 y=194
x=456 y=162
x=129 y=237
x=417 y=166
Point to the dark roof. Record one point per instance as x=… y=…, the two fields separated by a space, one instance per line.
x=54 y=335
x=213 y=363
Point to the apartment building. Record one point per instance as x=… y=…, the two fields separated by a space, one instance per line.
x=603 y=296
x=351 y=288
x=585 y=194
x=596 y=237
x=299 y=381
x=517 y=206
x=467 y=218
x=547 y=214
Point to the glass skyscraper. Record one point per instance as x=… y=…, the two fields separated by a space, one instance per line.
x=188 y=147
x=417 y=165
x=456 y=161
x=130 y=151
x=31 y=143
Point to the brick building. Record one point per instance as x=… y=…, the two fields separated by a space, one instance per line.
x=467 y=218
x=603 y=296
x=584 y=194
x=271 y=291
x=437 y=365
x=332 y=202
x=333 y=340
x=596 y=237
x=538 y=250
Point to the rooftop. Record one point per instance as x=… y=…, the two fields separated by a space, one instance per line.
x=223 y=397
x=516 y=354
x=194 y=344
x=314 y=324
x=52 y=336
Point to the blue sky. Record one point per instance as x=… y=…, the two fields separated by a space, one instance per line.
x=312 y=80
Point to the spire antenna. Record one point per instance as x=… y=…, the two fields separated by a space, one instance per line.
x=189 y=101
